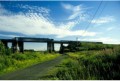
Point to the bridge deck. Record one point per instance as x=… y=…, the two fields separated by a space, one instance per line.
x=27 y=39
x=7 y=40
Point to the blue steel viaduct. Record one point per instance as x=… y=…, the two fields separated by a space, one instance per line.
x=19 y=42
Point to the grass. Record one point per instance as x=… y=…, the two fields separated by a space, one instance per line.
x=99 y=64
x=88 y=65
x=9 y=63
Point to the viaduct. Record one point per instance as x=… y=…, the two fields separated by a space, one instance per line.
x=19 y=42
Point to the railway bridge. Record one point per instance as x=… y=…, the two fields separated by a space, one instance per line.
x=18 y=42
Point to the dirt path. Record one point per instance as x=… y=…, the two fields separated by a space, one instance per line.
x=33 y=72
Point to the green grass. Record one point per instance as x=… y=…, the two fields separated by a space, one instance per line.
x=89 y=65
x=9 y=63
x=99 y=64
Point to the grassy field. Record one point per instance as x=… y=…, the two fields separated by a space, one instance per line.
x=91 y=62
x=9 y=63
x=88 y=65
x=13 y=61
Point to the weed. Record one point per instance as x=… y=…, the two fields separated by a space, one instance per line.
x=90 y=65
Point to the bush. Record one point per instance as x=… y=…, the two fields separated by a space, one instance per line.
x=2 y=63
x=97 y=65
x=19 y=56
x=2 y=49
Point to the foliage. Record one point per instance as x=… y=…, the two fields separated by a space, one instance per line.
x=3 y=50
x=18 y=61
x=11 y=62
x=90 y=65
x=84 y=46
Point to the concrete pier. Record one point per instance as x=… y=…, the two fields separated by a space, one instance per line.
x=21 y=46
x=14 y=46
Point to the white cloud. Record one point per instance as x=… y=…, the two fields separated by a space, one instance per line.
x=67 y=6
x=32 y=23
x=65 y=33
x=68 y=25
x=8 y=35
x=37 y=9
x=106 y=40
x=103 y=20
x=3 y=11
x=77 y=11
x=110 y=28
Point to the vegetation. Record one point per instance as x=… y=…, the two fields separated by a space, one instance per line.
x=88 y=65
x=85 y=46
x=11 y=62
x=84 y=61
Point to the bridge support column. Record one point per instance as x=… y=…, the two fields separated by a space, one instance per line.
x=49 y=47
x=53 y=48
x=21 y=46
x=61 y=48
x=14 y=46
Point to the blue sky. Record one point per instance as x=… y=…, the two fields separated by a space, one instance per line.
x=61 y=20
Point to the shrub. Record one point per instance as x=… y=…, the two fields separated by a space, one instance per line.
x=19 y=56
x=100 y=65
x=2 y=49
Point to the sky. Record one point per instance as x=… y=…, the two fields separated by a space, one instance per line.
x=61 y=20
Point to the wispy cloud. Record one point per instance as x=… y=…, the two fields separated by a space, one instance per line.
x=77 y=11
x=110 y=28
x=32 y=23
x=103 y=20
x=3 y=11
x=106 y=40
x=3 y=35
x=68 y=25
x=31 y=9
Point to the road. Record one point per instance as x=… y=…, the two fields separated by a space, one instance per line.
x=33 y=72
